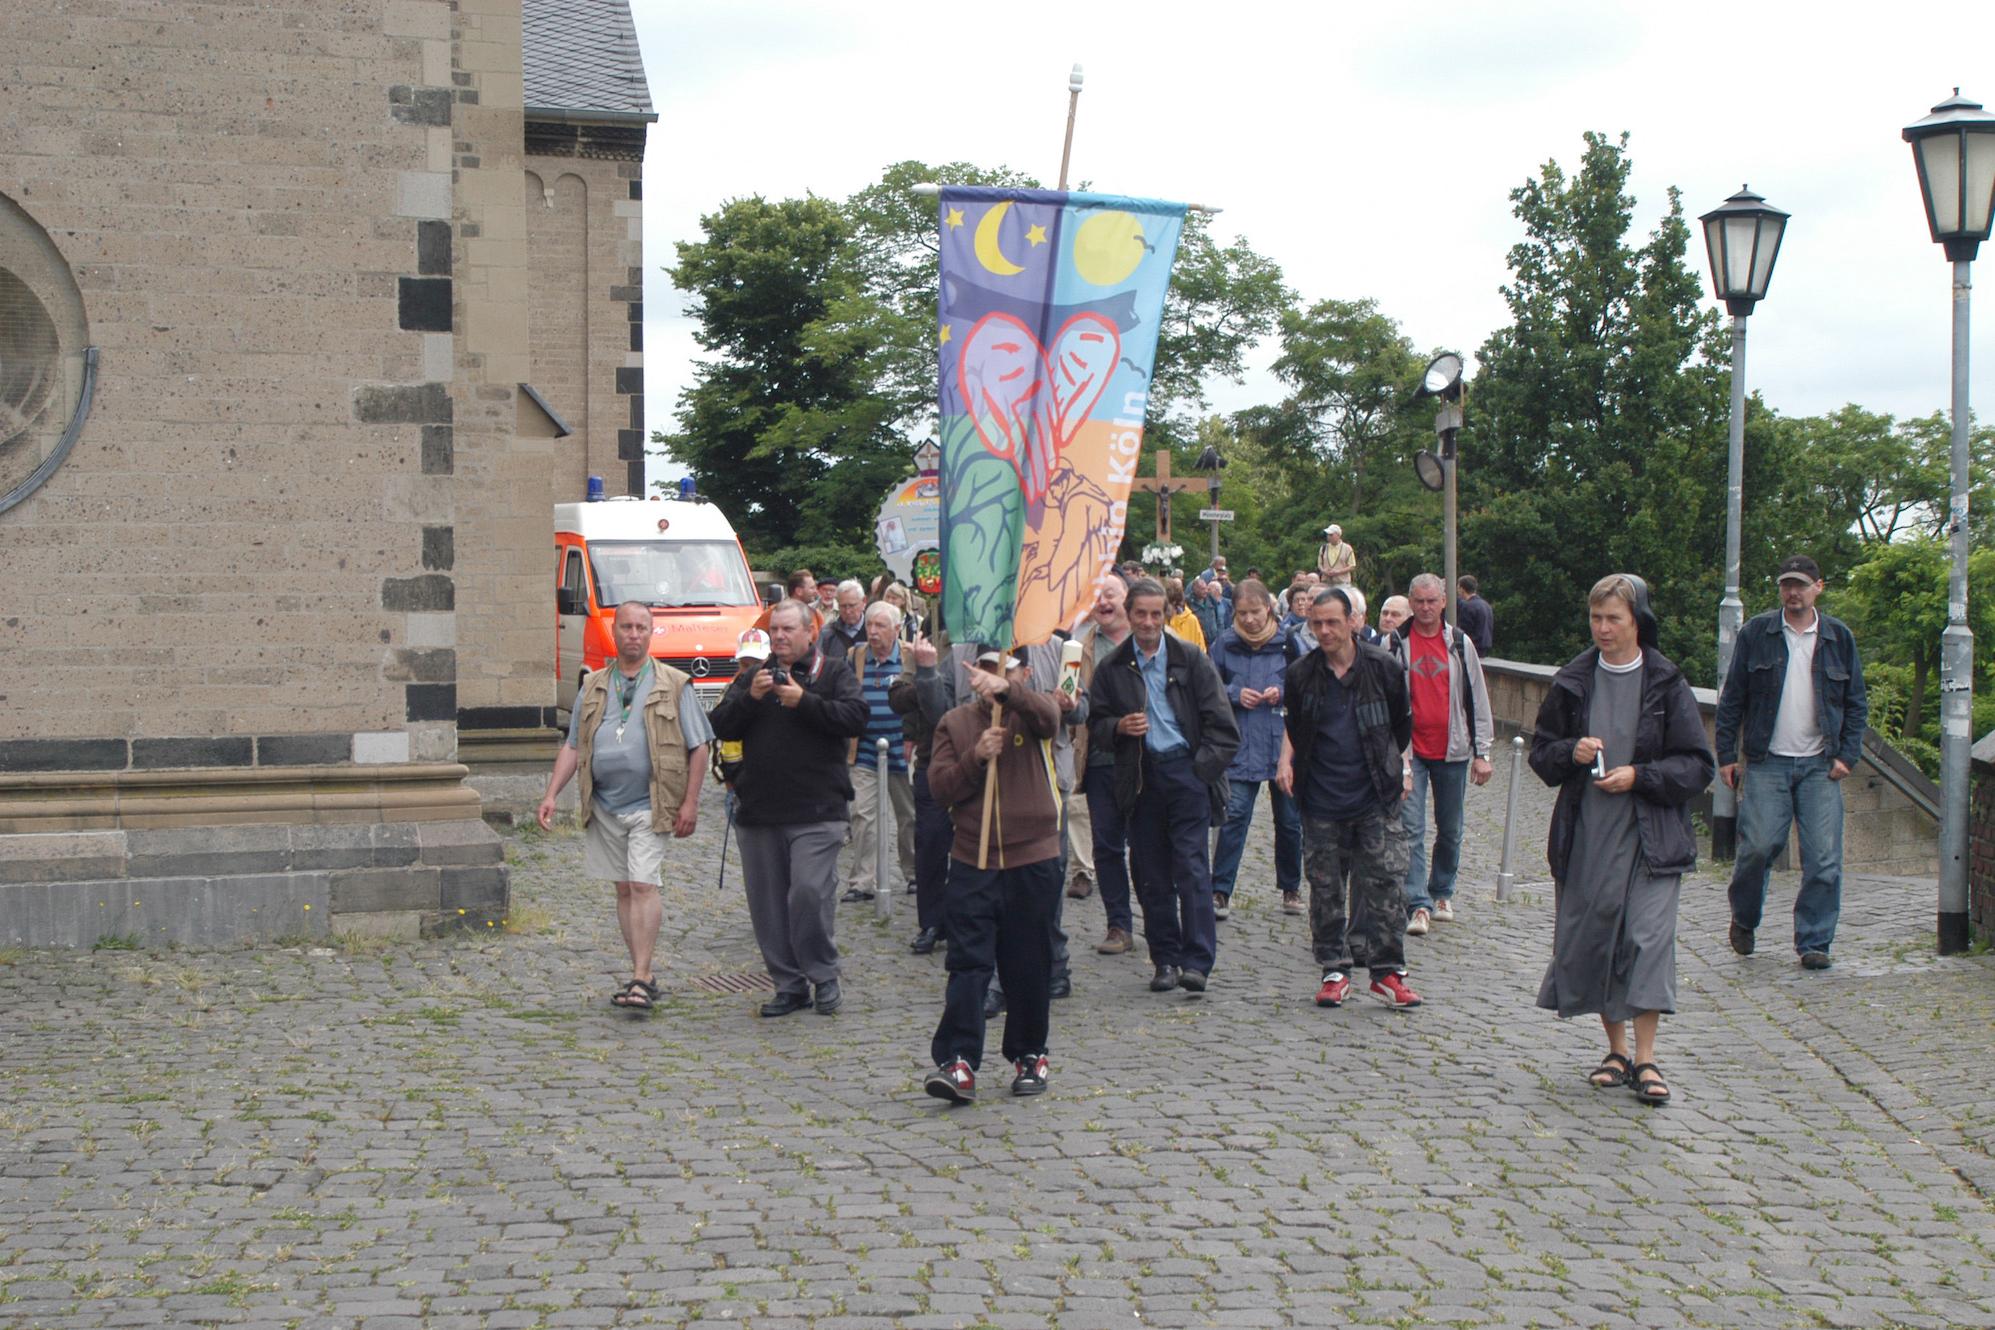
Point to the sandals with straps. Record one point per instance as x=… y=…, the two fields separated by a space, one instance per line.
x=1613 y=1071
x=637 y=995
x=1646 y=1080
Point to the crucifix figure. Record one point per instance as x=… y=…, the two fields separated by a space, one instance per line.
x=1161 y=485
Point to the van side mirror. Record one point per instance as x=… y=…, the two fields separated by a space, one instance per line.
x=771 y=592
x=567 y=601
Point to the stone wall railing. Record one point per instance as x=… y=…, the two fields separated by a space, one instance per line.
x=1891 y=810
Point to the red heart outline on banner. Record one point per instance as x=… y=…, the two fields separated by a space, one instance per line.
x=1006 y=378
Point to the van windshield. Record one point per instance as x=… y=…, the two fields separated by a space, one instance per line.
x=670 y=573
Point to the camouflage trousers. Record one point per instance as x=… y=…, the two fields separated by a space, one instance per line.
x=1357 y=903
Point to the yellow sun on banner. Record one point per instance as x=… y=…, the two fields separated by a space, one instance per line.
x=1107 y=247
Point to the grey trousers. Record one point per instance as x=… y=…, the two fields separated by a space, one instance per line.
x=791 y=876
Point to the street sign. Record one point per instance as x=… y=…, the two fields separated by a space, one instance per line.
x=1215 y=514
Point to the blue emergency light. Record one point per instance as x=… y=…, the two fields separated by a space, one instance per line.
x=596 y=492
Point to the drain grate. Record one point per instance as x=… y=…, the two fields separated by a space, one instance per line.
x=753 y=982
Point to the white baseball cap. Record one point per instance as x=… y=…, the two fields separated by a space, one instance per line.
x=1333 y=529
x=752 y=645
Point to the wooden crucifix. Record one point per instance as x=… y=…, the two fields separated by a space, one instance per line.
x=1163 y=485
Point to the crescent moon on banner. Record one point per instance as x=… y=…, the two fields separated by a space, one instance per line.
x=988 y=251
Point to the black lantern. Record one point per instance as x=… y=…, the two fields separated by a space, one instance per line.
x=1743 y=239
x=1954 y=149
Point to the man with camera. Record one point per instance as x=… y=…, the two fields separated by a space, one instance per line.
x=794 y=715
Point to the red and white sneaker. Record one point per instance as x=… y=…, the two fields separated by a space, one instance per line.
x=954 y=1081
x=1335 y=989
x=1444 y=911
x=1391 y=989
x=1031 y=1079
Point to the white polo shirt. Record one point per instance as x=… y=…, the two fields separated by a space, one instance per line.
x=1797 y=726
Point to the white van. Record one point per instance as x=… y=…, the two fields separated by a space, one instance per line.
x=681 y=557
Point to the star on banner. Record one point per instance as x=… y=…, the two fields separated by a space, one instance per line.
x=1035 y=235
x=955 y=217
x=944 y=339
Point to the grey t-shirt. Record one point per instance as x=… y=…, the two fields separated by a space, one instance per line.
x=620 y=769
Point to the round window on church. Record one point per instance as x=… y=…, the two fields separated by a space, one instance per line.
x=46 y=364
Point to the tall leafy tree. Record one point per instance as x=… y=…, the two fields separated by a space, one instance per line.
x=1596 y=430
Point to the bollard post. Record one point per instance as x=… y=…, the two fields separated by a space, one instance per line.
x=883 y=895
x=1505 y=879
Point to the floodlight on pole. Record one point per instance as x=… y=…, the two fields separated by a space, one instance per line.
x=1954 y=151
x=1742 y=239
x=1443 y=379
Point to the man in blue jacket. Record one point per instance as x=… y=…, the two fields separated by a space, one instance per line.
x=1794 y=701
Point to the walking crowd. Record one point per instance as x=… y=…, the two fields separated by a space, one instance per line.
x=1126 y=760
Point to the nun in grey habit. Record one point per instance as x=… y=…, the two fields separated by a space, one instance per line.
x=1620 y=841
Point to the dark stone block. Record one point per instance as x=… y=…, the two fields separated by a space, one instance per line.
x=504 y=718
x=637 y=337
x=626 y=293
x=63 y=755
x=634 y=477
x=153 y=754
x=424 y=304
x=471 y=888
x=419 y=106
x=402 y=403
x=630 y=379
x=630 y=444
x=637 y=189
x=439 y=547
x=439 y=450
x=207 y=851
x=431 y=701
x=303 y=750
x=422 y=665
x=431 y=591
x=352 y=845
x=433 y=249
x=636 y=308
x=360 y=890
x=637 y=411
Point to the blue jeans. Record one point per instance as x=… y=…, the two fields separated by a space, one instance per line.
x=1233 y=837
x=1451 y=786
x=1777 y=792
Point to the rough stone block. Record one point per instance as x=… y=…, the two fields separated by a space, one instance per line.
x=208 y=851
x=430 y=591
x=63 y=755
x=324 y=847
x=421 y=665
x=433 y=249
x=430 y=701
x=381 y=746
x=439 y=451
x=401 y=404
x=419 y=106
x=369 y=889
x=439 y=547
x=474 y=888
x=216 y=751
x=423 y=304
x=303 y=750
x=63 y=856
x=459 y=844
x=162 y=911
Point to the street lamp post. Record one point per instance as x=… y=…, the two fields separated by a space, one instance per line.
x=1954 y=150
x=1443 y=379
x=1212 y=463
x=1743 y=238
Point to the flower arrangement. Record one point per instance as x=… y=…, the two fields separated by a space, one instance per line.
x=1166 y=559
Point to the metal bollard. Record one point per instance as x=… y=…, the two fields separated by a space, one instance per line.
x=883 y=895
x=1505 y=879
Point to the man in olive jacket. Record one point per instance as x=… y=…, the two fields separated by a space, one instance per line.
x=1158 y=705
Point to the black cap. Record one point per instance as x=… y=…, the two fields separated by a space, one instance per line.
x=1798 y=566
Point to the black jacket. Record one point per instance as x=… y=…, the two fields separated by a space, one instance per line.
x=1385 y=717
x=1672 y=760
x=793 y=763
x=1759 y=674
x=1198 y=704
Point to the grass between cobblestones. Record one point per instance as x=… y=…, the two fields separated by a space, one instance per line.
x=463 y=1133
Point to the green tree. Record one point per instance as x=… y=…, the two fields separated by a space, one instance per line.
x=1595 y=438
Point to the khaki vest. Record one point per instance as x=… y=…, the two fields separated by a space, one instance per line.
x=670 y=769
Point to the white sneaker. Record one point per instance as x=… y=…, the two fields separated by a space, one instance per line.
x=1417 y=925
x=1222 y=905
x=1444 y=911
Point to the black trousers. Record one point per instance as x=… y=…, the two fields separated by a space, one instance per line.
x=1002 y=919
x=933 y=833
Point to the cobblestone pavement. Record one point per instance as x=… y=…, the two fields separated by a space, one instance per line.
x=463 y=1133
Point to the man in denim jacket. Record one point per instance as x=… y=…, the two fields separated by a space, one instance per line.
x=1794 y=701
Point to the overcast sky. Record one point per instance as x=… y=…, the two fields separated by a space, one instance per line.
x=1370 y=152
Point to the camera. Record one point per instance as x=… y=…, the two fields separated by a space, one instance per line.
x=778 y=675
x=1600 y=764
